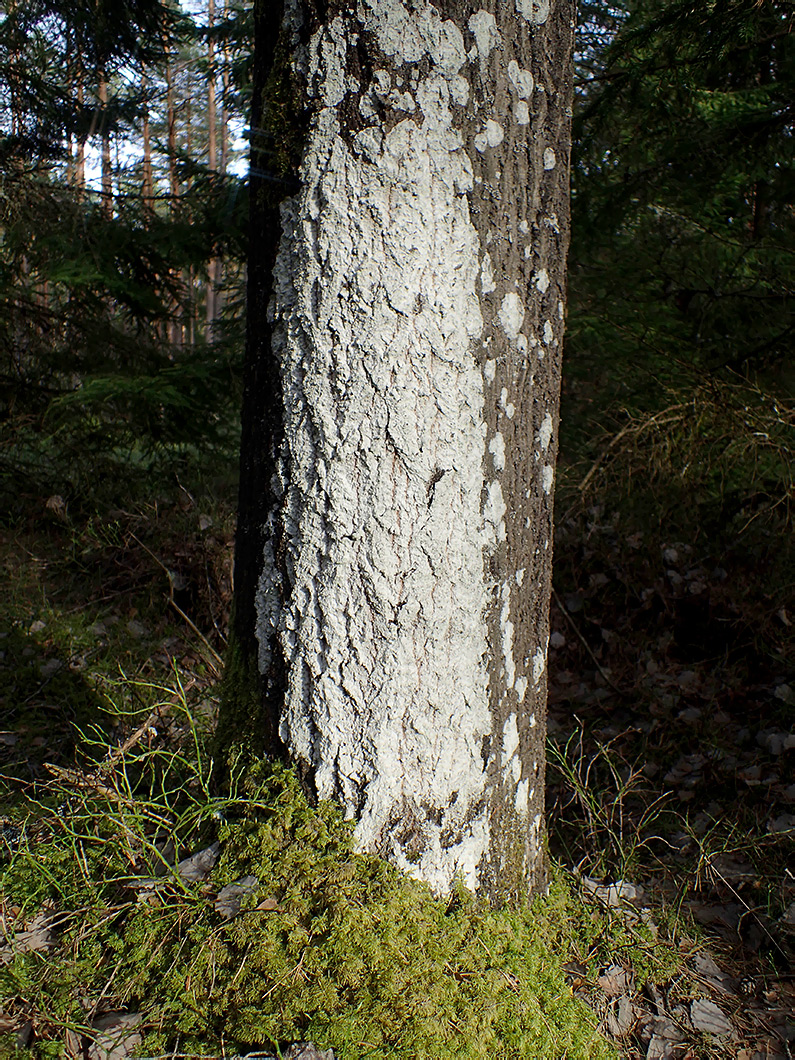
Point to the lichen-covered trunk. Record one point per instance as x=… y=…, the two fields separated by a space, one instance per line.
x=400 y=425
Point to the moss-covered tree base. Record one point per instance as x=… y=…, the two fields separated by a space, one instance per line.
x=329 y=945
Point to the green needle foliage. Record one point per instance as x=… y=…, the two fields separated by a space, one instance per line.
x=104 y=363
x=682 y=270
x=683 y=180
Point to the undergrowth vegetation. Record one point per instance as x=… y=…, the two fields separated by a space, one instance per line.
x=110 y=656
x=671 y=657
x=669 y=717
x=287 y=935
x=113 y=634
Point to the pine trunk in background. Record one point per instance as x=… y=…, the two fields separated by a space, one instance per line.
x=191 y=317
x=225 y=97
x=80 y=159
x=15 y=79
x=148 y=188
x=187 y=124
x=107 y=172
x=212 y=163
x=211 y=102
x=171 y=121
x=70 y=138
x=406 y=314
x=218 y=278
x=175 y=327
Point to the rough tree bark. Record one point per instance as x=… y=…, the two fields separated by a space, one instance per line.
x=80 y=153
x=107 y=172
x=171 y=122
x=212 y=164
x=406 y=311
x=225 y=62
x=148 y=183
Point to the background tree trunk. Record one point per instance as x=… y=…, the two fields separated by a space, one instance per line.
x=218 y=273
x=400 y=422
x=212 y=165
x=80 y=152
x=189 y=318
x=171 y=121
x=176 y=333
x=225 y=96
x=148 y=188
x=107 y=172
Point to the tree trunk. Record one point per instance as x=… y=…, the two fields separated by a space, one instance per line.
x=400 y=419
x=80 y=159
x=190 y=310
x=218 y=274
x=171 y=121
x=175 y=326
x=15 y=72
x=107 y=172
x=212 y=164
x=211 y=92
x=70 y=138
x=225 y=96
x=148 y=188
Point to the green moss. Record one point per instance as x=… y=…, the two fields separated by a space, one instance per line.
x=331 y=946
x=509 y=878
x=279 y=104
x=355 y=956
x=283 y=112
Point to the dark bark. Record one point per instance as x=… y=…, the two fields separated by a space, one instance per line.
x=148 y=175
x=107 y=174
x=517 y=185
x=252 y=701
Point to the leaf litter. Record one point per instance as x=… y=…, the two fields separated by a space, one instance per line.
x=670 y=770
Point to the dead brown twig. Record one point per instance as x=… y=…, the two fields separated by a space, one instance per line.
x=215 y=661
x=586 y=645
x=134 y=738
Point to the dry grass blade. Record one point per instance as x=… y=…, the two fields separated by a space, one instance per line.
x=215 y=661
x=636 y=427
x=132 y=740
x=564 y=611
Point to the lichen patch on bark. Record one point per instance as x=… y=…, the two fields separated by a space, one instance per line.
x=419 y=266
x=383 y=628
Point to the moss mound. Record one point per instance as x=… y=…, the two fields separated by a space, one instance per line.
x=327 y=945
x=342 y=949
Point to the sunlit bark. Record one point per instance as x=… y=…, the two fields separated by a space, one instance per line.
x=212 y=165
x=148 y=188
x=107 y=172
x=406 y=313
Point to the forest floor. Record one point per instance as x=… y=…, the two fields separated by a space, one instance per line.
x=671 y=768
x=671 y=793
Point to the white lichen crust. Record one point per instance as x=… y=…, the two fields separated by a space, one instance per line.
x=420 y=268
x=377 y=319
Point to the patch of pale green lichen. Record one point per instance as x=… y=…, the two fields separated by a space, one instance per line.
x=331 y=946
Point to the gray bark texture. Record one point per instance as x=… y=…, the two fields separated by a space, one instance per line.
x=400 y=422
